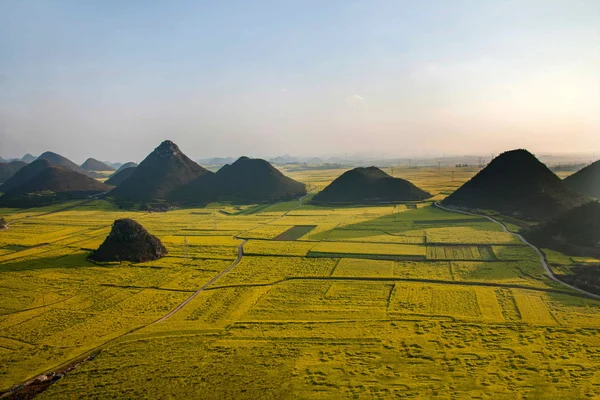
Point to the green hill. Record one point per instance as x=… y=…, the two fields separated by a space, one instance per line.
x=8 y=170
x=247 y=180
x=162 y=171
x=586 y=181
x=516 y=183
x=91 y=164
x=368 y=186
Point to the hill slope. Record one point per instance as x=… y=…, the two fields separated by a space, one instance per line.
x=369 y=186
x=571 y=230
x=516 y=183
x=130 y=164
x=8 y=170
x=28 y=158
x=162 y=171
x=120 y=176
x=245 y=181
x=586 y=181
x=52 y=184
x=91 y=164
x=25 y=174
x=58 y=160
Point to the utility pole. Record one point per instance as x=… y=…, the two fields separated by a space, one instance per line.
x=452 y=176
x=185 y=248
x=215 y=220
x=392 y=172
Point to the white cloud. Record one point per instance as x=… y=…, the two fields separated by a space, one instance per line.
x=355 y=100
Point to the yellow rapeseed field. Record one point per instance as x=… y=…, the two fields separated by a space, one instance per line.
x=459 y=309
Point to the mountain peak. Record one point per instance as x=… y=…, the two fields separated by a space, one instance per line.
x=162 y=171
x=515 y=182
x=167 y=148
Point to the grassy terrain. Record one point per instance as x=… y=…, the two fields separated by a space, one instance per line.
x=473 y=317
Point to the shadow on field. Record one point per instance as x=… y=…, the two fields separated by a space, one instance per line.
x=417 y=220
x=77 y=260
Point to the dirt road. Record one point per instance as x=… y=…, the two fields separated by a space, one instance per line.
x=543 y=261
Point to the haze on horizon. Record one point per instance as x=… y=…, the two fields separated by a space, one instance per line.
x=111 y=79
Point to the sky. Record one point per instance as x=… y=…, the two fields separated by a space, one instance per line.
x=111 y=79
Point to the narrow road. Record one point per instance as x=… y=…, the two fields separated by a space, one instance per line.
x=543 y=261
x=207 y=284
x=168 y=315
x=236 y=262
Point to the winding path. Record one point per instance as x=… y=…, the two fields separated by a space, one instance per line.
x=207 y=284
x=236 y=262
x=543 y=261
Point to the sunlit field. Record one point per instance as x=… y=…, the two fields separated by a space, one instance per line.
x=396 y=301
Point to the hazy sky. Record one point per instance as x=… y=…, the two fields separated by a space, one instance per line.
x=111 y=79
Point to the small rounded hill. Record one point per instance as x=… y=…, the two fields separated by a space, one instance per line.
x=120 y=176
x=9 y=169
x=575 y=232
x=586 y=181
x=129 y=241
x=516 y=183
x=369 y=186
x=246 y=180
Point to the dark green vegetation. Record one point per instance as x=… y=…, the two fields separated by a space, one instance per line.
x=575 y=232
x=295 y=232
x=120 y=176
x=586 y=277
x=586 y=181
x=161 y=172
x=7 y=170
x=25 y=174
x=369 y=186
x=50 y=185
x=58 y=160
x=129 y=241
x=91 y=164
x=129 y=164
x=167 y=176
x=518 y=184
x=245 y=181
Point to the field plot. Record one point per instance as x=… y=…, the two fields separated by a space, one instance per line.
x=471 y=235
x=278 y=248
x=368 y=250
x=253 y=269
x=295 y=232
x=459 y=310
x=377 y=236
x=265 y=232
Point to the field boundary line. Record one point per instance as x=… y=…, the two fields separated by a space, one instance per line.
x=399 y=279
x=543 y=261
x=240 y=254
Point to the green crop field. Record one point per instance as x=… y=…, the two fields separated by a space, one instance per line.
x=346 y=302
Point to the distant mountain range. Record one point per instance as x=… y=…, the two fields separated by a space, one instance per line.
x=167 y=176
x=51 y=184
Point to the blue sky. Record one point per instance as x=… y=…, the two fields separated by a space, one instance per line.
x=111 y=79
